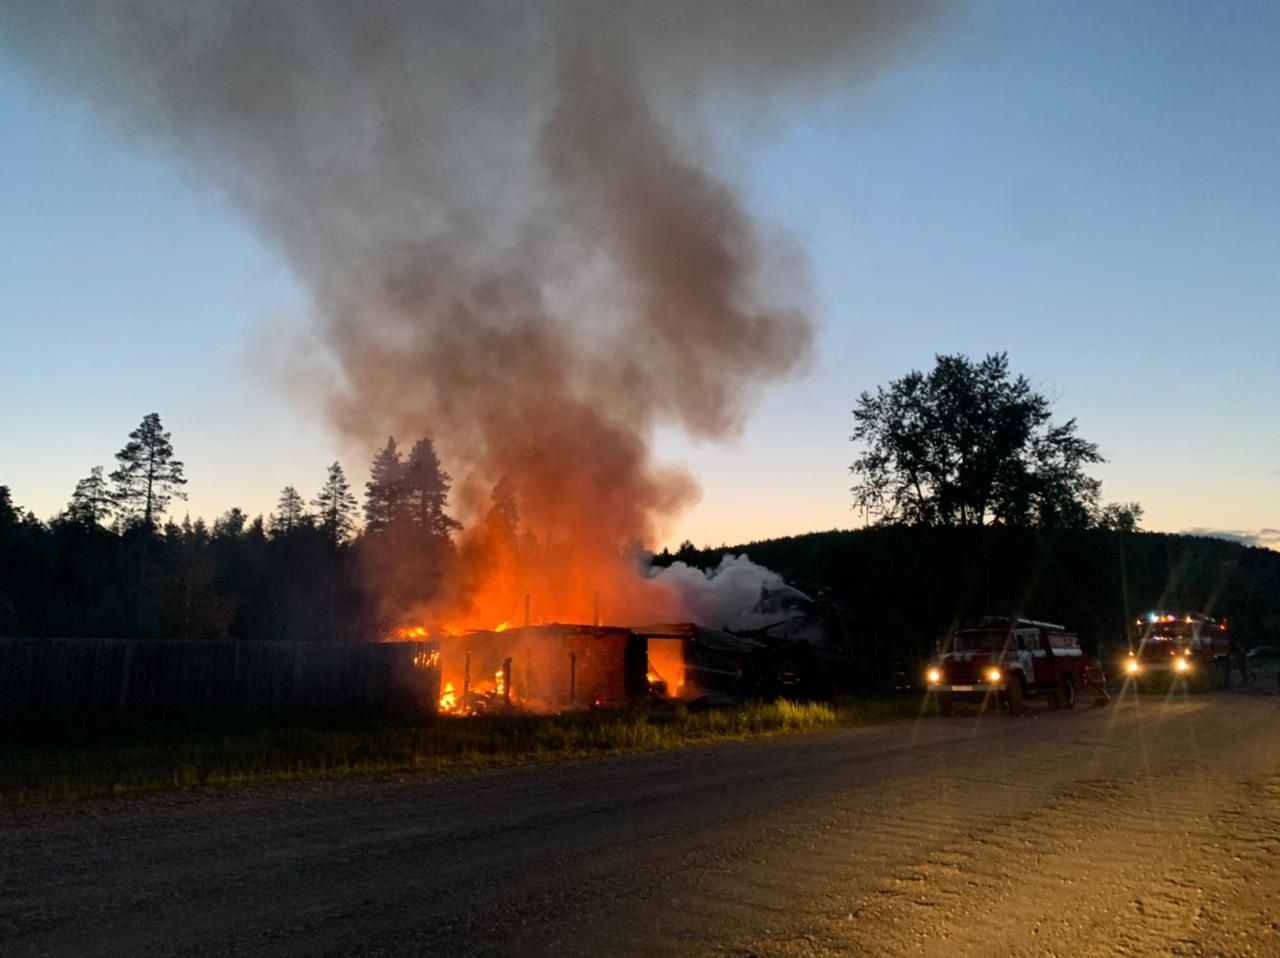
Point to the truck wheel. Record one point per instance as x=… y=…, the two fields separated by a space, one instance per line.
x=1016 y=696
x=945 y=705
x=1067 y=694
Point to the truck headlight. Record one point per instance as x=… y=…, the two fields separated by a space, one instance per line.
x=934 y=676
x=1131 y=666
x=993 y=676
x=1182 y=665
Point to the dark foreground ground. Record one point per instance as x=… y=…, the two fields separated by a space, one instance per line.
x=1149 y=827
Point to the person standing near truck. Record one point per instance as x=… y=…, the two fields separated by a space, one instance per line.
x=1241 y=661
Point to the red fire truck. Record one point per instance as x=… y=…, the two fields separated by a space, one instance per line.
x=1184 y=645
x=1010 y=660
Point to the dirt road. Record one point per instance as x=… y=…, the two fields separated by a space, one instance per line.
x=1147 y=828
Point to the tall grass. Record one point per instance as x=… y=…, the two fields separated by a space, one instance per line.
x=129 y=761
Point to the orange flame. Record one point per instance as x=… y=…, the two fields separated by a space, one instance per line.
x=448 y=698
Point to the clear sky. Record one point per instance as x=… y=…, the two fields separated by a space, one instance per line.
x=1092 y=187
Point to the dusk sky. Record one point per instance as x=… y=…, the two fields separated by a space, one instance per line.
x=1092 y=187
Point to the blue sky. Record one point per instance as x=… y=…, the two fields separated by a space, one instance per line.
x=1091 y=187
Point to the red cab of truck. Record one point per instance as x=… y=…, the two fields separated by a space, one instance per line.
x=1011 y=660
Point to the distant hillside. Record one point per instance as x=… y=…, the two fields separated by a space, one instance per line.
x=903 y=584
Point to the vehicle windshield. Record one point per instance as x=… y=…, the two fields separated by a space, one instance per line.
x=981 y=640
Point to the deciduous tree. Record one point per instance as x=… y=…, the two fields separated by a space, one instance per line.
x=968 y=444
x=1121 y=517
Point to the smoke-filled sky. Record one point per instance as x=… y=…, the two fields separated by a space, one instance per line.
x=714 y=233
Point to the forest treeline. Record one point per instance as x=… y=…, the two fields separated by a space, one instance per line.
x=900 y=585
x=333 y=567
x=111 y=564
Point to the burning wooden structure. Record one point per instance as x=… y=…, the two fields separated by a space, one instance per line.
x=560 y=667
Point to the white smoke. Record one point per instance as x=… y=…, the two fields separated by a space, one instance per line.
x=723 y=595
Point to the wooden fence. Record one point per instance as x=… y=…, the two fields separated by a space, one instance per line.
x=51 y=680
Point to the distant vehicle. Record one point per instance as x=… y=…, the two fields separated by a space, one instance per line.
x=1011 y=660
x=1184 y=645
x=1264 y=653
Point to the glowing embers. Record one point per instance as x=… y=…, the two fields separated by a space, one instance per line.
x=666 y=671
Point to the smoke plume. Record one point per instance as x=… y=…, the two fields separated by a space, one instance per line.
x=507 y=215
x=722 y=596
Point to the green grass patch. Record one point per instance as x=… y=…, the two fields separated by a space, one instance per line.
x=72 y=765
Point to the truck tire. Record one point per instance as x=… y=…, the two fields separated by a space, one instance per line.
x=1016 y=696
x=945 y=705
x=1067 y=693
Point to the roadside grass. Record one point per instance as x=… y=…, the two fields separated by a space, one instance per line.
x=127 y=760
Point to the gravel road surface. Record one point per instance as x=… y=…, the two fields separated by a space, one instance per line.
x=1148 y=827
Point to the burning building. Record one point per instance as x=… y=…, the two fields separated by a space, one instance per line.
x=783 y=643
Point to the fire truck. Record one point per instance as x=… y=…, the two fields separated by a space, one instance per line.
x=1182 y=645
x=1011 y=660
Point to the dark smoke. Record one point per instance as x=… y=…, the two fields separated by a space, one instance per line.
x=506 y=213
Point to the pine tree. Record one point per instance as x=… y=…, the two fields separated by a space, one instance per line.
x=230 y=524
x=256 y=532
x=290 y=514
x=10 y=514
x=426 y=491
x=148 y=476
x=91 y=503
x=384 y=490
x=335 y=506
x=504 y=514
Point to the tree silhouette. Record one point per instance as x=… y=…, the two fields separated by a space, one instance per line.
x=384 y=490
x=91 y=503
x=968 y=444
x=148 y=475
x=290 y=514
x=10 y=514
x=503 y=517
x=1121 y=517
x=335 y=506
x=231 y=523
x=425 y=487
